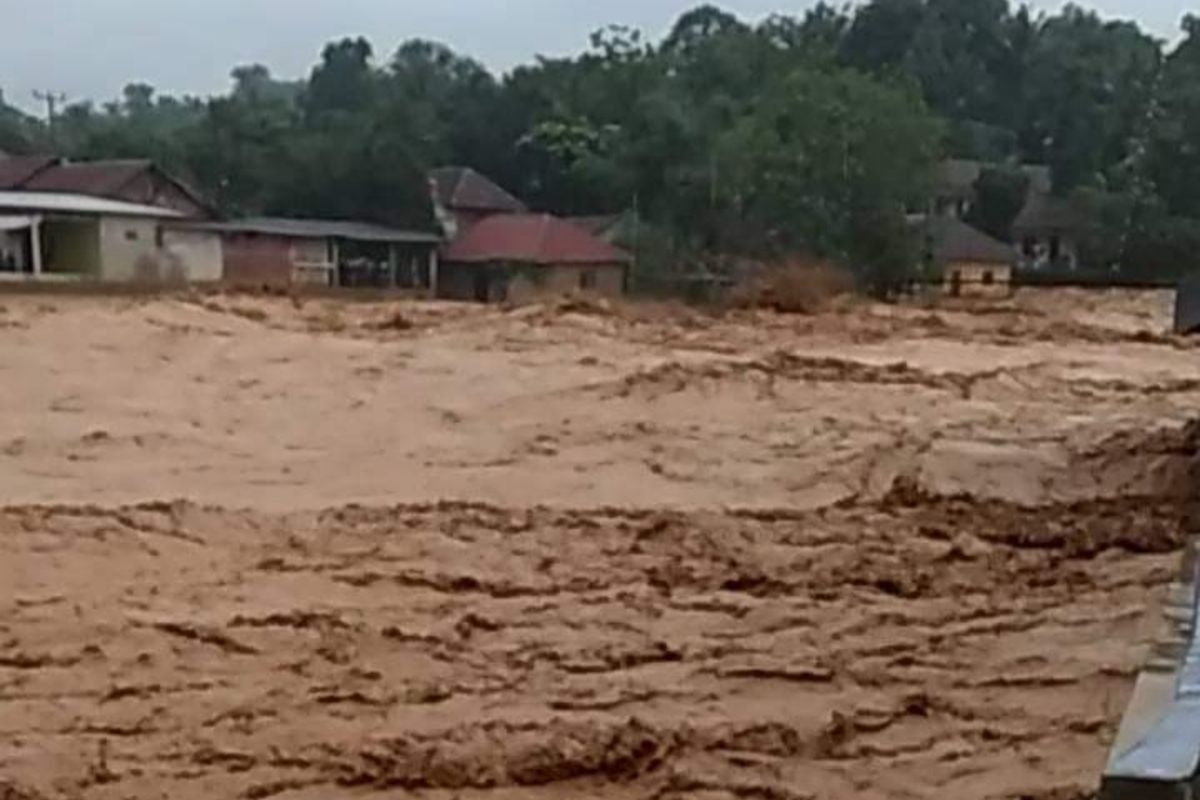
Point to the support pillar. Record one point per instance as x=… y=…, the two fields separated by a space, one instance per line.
x=433 y=272
x=35 y=247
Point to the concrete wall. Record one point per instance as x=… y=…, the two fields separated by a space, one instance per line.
x=523 y=283
x=254 y=262
x=129 y=249
x=964 y=279
x=193 y=256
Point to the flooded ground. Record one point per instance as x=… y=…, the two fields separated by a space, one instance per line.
x=263 y=548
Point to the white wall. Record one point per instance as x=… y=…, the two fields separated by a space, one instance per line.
x=192 y=256
x=129 y=249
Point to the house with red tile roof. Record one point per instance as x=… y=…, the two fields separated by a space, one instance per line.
x=462 y=197
x=507 y=256
x=131 y=181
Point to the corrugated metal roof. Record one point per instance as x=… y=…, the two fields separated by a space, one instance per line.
x=319 y=229
x=531 y=239
x=464 y=189
x=64 y=203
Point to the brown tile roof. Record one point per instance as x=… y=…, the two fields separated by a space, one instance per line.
x=99 y=178
x=462 y=188
x=107 y=179
x=16 y=170
x=956 y=177
x=1045 y=213
x=954 y=240
x=531 y=239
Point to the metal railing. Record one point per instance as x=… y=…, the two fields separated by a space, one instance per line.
x=1157 y=752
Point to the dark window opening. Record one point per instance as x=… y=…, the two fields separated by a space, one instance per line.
x=1029 y=246
x=1055 y=247
x=587 y=279
x=131 y=235
x=989 y=278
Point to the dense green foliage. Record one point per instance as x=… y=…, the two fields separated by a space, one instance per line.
x=799 y=134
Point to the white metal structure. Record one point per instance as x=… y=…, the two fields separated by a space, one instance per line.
x=62 y=203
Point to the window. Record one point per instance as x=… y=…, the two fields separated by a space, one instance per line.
x=131 y=235
x=1055 y=247
x=587 y=279
x=989 y=278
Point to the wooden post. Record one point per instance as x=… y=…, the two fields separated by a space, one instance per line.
x=393 y=265
x=337 y=266
x=35 y=247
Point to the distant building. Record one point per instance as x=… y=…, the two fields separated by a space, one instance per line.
x=971 y=263
x=1047 y=232
x=57 y=236
x=463 y=197
x=131 y=181
x=506 y=256
x=956 y=179
x=273 y=252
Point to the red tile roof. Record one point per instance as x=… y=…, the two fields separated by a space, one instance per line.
x=464 y=189
x=531 y=239
x=16 y=170
x=113 y=179
x=101 y=178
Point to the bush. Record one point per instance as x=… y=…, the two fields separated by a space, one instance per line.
x=793 y=287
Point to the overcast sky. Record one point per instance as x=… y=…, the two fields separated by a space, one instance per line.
x=89 y=49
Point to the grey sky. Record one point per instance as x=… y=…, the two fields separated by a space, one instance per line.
x=91 y=48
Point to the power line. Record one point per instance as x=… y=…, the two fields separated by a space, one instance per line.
x=52 y=100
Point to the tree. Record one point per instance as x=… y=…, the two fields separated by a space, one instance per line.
x=825 y=159
x=807 y=132
x=882 y=33
x=1000 y=194
x=1089 y=86
x=344 y=80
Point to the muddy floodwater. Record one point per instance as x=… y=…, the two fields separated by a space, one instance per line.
x=273 y=548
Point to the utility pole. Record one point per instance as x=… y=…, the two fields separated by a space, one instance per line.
x=52 y=100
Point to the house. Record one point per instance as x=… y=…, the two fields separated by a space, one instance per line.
x=506 y=256
x=59 y=236
x=275 y=252
x=131 y=181
x=1047 y=231
x=463 y=197
x=971 y=263
x=16 y=170
x=955 y=181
